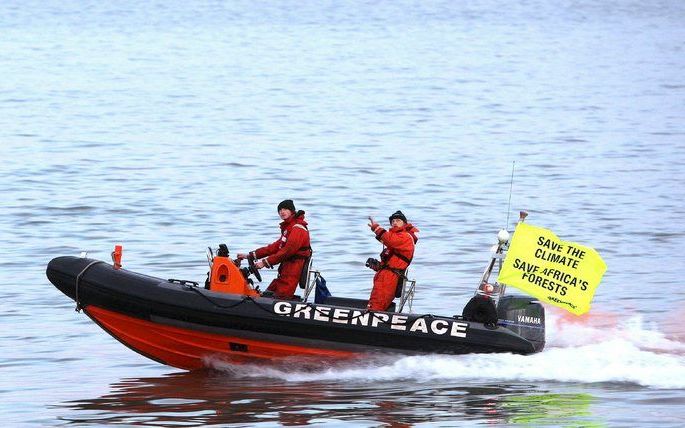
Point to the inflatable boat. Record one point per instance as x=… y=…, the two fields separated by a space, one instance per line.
x=189 y=326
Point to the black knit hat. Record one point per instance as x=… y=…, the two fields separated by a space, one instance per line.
x=397 y=214
x=288 y=204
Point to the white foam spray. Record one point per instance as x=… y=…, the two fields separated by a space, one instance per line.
x=595 y=350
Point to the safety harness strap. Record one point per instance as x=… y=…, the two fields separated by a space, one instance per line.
x=401 y=257
x=396 y=271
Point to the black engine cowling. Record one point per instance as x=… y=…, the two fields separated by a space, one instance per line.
x=524 y=316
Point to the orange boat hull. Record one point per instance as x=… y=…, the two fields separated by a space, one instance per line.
x=191 y=349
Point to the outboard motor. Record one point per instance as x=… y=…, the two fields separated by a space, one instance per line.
x=524 y=316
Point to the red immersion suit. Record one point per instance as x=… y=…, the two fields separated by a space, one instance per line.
x=290 y=250
x=399 y=245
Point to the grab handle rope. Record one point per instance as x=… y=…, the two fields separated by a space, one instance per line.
x=350 y=317
x=78 y=281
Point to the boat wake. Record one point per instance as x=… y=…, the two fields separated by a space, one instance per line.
x=597 y=349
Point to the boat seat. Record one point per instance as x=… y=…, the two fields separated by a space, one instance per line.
x=306 y=272
x=352 y=303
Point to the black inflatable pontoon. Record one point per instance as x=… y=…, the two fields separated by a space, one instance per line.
x=184 y=325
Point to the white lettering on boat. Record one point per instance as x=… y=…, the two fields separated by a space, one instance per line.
x=358 y=317
x=439 y=330
x=419 y=325
x=529 y=320
x=459 y=329
x=378 y=318
x=354 y=317
x=282 y=308
x=321 y=314
x=399 y=322
x=341 y=315
x=302 y=311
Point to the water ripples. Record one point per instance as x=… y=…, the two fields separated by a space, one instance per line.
x=129 y=125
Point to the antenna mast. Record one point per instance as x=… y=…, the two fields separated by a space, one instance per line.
x=511 y=187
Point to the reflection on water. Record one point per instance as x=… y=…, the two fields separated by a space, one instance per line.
x=211 y=397
x=550 y=409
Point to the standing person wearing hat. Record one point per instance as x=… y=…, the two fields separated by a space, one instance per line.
x=398 y=250
x=291 y=250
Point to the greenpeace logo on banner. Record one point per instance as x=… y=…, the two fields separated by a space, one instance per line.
x=400 y=322
x=561 y=273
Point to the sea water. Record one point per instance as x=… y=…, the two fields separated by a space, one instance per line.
x=171 y=126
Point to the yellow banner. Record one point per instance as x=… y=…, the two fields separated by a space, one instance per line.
x=561 y=273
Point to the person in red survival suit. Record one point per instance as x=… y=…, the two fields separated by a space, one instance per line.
x=291 y=250
x=399 y=243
